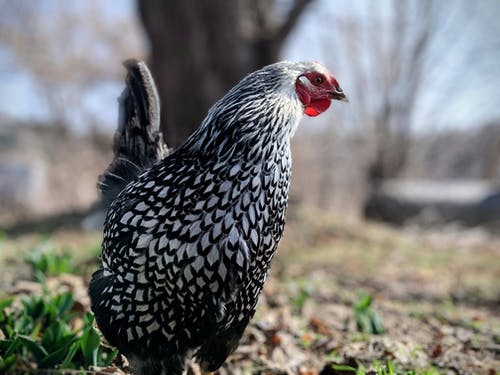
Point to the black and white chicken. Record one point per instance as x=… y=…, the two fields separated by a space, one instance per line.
x=189 y=236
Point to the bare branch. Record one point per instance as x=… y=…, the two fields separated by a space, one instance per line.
x=289 y=24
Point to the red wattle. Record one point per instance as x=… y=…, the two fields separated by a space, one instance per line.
x=311 y=111
x=316 y=107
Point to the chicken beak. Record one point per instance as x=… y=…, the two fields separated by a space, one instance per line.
x=338 y=94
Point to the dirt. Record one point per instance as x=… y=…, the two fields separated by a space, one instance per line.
x=436 y=294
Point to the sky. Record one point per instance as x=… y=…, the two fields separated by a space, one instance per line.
x=466 y=63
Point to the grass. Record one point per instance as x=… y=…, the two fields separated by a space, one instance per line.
x=46 y=330
x=49 y=329
x=44 y=260
x=367 y=319
x=378 y=368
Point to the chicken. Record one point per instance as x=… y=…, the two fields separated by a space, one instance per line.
x=189 y=237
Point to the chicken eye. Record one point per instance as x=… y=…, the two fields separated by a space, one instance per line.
x=318 y=80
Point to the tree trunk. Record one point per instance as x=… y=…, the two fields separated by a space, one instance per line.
x=202 y=48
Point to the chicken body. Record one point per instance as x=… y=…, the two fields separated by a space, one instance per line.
x=187 y=245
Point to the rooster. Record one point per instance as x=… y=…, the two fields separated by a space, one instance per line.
x=189 y=235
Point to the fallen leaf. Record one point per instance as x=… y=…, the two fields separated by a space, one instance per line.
x=437 y=350
x=307 y=371
x=320 y=326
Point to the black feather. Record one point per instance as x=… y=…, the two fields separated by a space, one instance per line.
x=138 y=142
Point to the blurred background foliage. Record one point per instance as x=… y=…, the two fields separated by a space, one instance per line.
x=423 y=79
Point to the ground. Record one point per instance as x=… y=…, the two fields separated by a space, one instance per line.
x=361 y=295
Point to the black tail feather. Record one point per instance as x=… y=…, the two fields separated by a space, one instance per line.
x=138 y=142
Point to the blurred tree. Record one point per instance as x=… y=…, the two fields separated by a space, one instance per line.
x=399 y=72
x=403 y=64
x=65 y=49
x=386 y=54
x=202 y=48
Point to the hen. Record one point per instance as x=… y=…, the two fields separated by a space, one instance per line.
x=189 y=236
